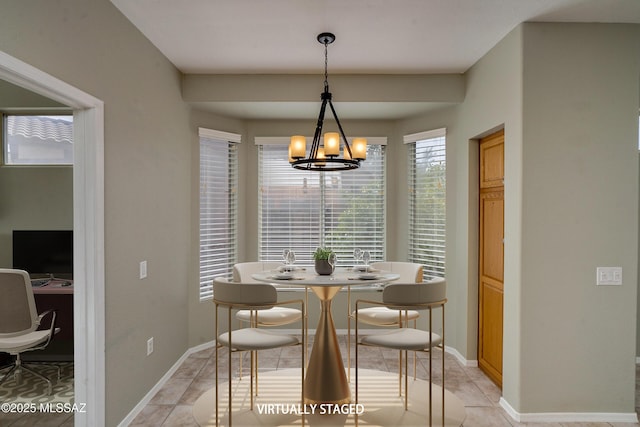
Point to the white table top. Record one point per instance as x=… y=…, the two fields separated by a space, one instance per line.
x=341 y=277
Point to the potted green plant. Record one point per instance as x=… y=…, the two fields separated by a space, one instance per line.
x=321 y=258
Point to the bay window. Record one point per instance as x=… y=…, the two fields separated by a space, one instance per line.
x=303 y=210
x=427 y=190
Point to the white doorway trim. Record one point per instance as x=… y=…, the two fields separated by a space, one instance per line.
x=88 y=226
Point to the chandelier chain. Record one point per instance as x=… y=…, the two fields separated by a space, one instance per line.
x=326 y=63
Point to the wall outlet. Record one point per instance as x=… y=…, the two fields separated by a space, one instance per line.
x=143 y=269
x=149 y=346
x=609 y=276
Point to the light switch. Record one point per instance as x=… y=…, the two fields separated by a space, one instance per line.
x=143 y=269
x=609 y=276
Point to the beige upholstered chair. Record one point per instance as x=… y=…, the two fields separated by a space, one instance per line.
x=403 y=297
x=409 y=272
x=253 y=297
x=19 y=322
x=277 y=315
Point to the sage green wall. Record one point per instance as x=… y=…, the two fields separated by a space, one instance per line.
x=579 y=211
x=14 y=97
x=493 y=101
x=148 y=164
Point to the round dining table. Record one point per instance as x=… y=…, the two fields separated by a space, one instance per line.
x=325 y=380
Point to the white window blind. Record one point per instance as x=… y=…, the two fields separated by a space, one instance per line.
x=218 y=216
x=427 y=216
x=303 y=210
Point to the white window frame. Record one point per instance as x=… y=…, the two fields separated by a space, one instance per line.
x=218 y=243
x=304 y=238
x=431 y=234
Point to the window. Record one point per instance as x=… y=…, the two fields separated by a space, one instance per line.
x=427 y=167
x=37 y=140
x=218 y=218
x=303 y=210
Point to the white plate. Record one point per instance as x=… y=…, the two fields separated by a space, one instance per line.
x=368 y=276
x=283 y=276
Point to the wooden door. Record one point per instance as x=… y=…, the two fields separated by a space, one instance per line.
x=491 y=254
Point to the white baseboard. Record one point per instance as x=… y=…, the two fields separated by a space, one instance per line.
x=565 y=417
x=161 y=382
x=461 y=359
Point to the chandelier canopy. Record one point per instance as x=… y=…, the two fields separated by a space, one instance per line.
x=326 y=156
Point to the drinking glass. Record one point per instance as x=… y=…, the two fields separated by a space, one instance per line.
x=285 y=257
x=291 y=257
x=332 y=261
x=366 y=256
x=357 y=254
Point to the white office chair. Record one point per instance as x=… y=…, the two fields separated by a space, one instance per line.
x=409 y=272
x=253 y=297
x=19 y=322
x=404 y=297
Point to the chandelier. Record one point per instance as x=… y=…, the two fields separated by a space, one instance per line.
x=326 y=157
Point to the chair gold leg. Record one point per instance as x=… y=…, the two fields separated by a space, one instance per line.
x=251 y=386
x=400 y=373
x=443 y=348
x=216 y=364
x=356 y=344
x=256 y=364
x=406 y=381
x=431 y=372
x=415 y=353
x=240 y=355
x=303 y=355
x=305 y=314
x=349 y=335
x=230 y=371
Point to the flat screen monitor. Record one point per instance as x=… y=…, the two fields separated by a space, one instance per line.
x=44 y=252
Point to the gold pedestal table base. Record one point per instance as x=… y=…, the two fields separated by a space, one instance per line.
x=279 y=403
x=332 y=387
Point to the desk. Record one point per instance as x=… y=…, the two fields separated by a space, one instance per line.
x=326 y=380
x=56 y=295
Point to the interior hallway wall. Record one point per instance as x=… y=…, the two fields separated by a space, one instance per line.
x=147 y=150
x=579 y=212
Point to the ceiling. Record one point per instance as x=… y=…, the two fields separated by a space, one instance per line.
x=372 y=36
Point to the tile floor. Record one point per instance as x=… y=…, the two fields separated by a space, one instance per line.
x=172 y=405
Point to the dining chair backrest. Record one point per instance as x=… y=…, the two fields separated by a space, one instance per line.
x=18 y=314
x=408 y=294
x=410 y=272
x=242 y=271
x=233 y=293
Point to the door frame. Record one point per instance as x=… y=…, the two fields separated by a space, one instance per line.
x=88 y=226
